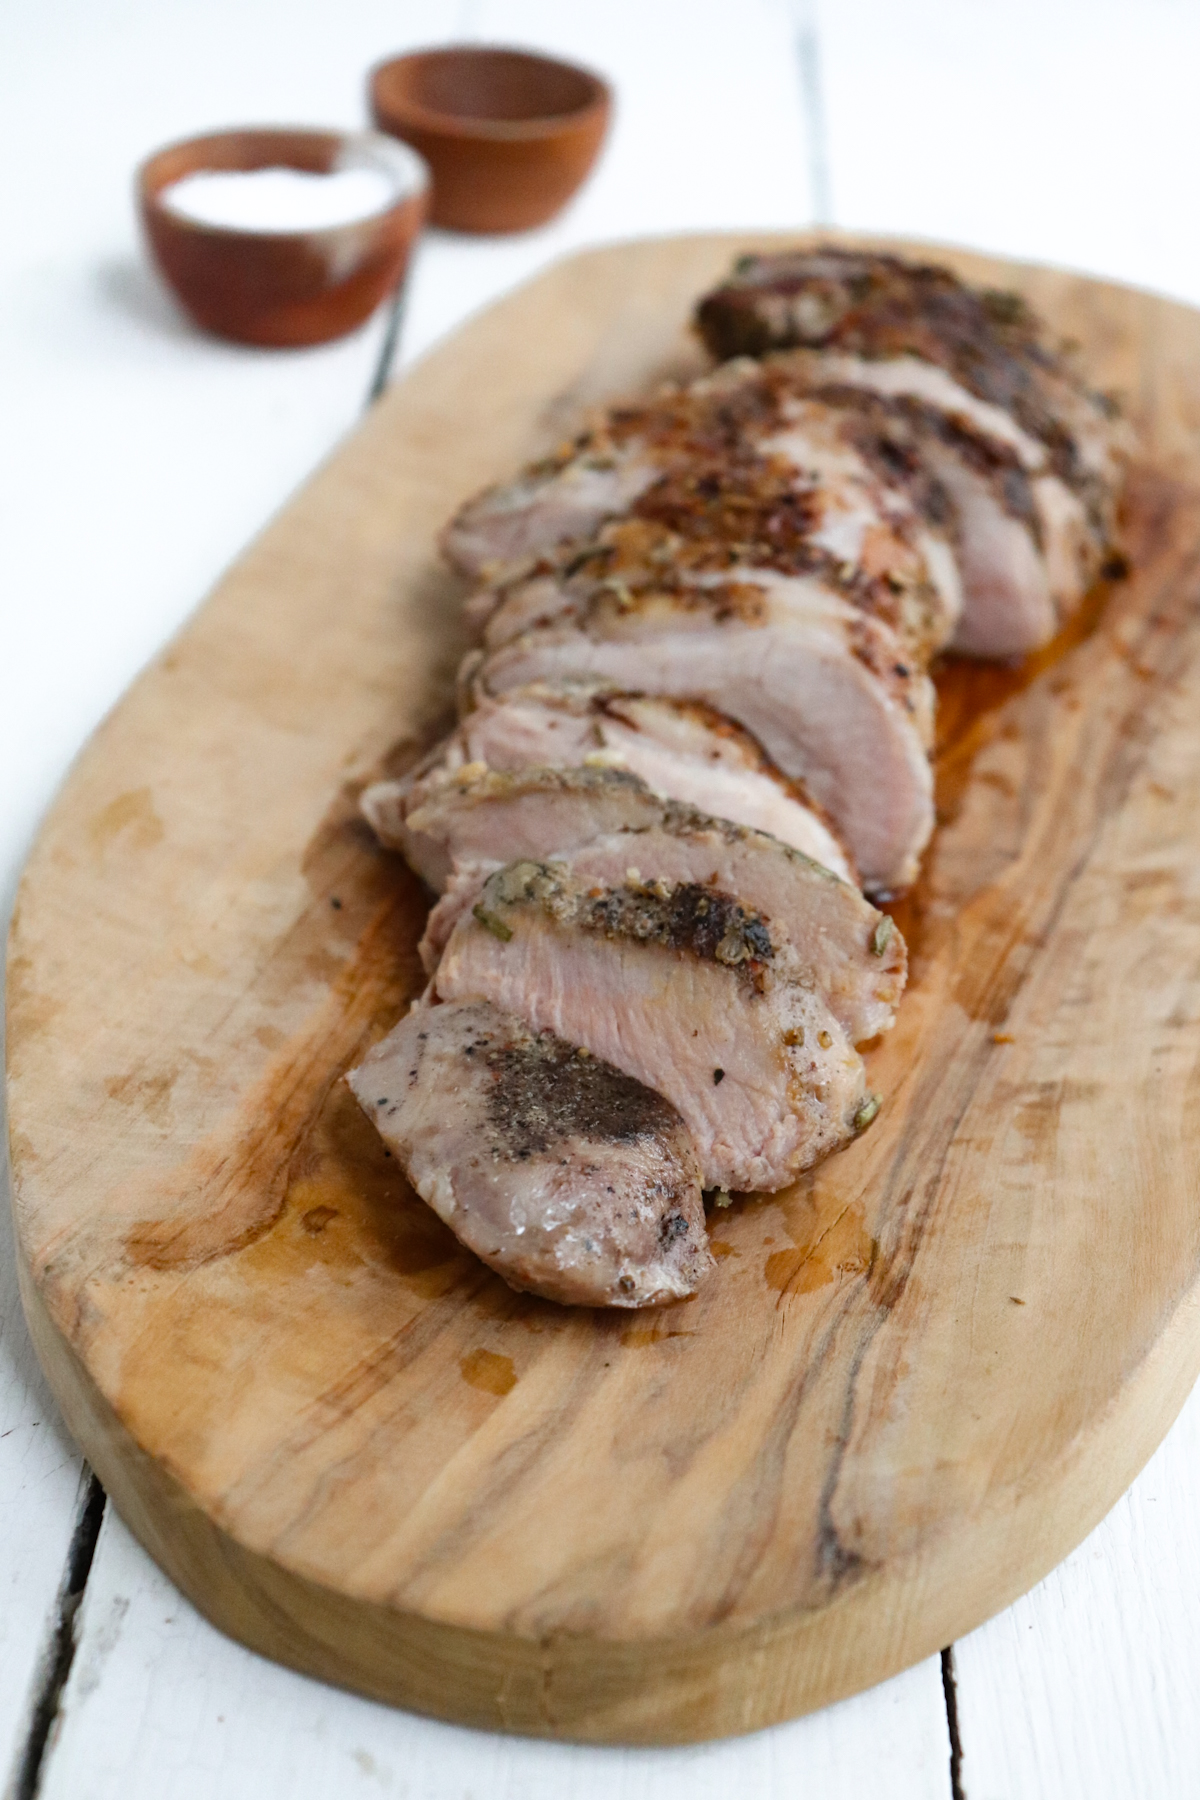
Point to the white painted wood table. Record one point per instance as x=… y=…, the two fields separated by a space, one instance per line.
x=139 y=457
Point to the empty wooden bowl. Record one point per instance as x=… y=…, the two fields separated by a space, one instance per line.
x=288 y=287
x=509 y=136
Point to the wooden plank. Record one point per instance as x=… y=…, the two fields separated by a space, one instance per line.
x=305 y=662
x=1085 y=1689
x=159 y=1703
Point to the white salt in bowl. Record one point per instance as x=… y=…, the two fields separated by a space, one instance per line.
x=303 y=249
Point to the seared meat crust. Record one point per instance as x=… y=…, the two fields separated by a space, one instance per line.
x=1026 y=545
x=604 y=823
x=1009 y=426
x=566 y=1176
x=744 y=473
x=685 y=989
x=872 y=305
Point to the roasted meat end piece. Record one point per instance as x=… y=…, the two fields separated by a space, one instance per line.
x=872 y=305
x=606 y=826
x=569 y=1178
x=826 y=691
x=683 y=749
x=681 y=987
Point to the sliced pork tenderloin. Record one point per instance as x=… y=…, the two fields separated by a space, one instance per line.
x=569 y=1178
x=683 y=750
x=488 y=816
x=1025 y=545
x=683 y=987
x=739 y=471
x=607 y=827
x=867 y=304
x=823 y=688
x=551 y=502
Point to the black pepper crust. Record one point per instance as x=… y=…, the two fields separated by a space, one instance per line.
x=544 y=1091
x=694 y=920
x=700 y=920
x=721 y=504
x=888 y=430
x=873 y=305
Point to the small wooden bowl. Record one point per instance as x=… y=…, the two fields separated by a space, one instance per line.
x=283 y=288
x=509 y=136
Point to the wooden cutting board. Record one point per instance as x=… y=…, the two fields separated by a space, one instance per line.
x=914 y=1381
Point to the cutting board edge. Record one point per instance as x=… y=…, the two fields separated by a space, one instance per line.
x=256 y=1599
x=644 y=1692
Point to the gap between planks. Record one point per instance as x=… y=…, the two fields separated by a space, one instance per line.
x=807 y=45
x=950 y=1693
x=63 y=1641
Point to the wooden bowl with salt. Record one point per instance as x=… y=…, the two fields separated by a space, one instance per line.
x=301 y=253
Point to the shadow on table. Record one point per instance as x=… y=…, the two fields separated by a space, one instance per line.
x=129 y=286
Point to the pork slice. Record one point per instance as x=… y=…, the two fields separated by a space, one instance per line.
x=505 y=609
x=484 y=815
x=549 y=503
x=851 y=553
x=731 y=470
x=1073 y=543
x=1025 y=549
x=910 y=377
x=863 y=303
x=1010 y=604
x=685 y=751
x=1027 y=545
x=684 y=988
x=853 y=953
x=868 y=525
x=566 y=1176
x=694 y=753
x=824 y=690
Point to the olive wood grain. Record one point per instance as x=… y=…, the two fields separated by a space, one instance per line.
x=914 y=1381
